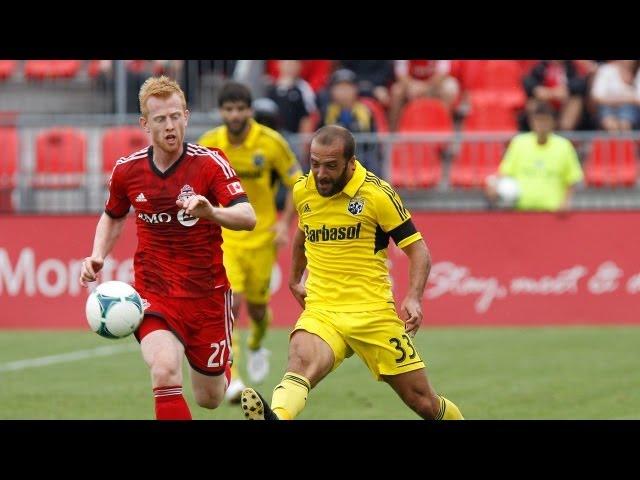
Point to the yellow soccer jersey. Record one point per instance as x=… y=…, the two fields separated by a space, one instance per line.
x=346 y=239
x=544 y=172
x=263 y=153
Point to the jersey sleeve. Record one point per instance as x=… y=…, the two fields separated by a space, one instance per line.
x=508 y=165
x=573 y=171
x=297 y=198
x=117 y=204
x=224 y=184
x=393 y=218
x=285 y=162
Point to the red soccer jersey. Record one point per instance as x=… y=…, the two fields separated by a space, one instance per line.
x=178 y=255
x=421 y=69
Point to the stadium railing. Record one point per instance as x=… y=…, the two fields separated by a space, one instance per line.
x=449 y=177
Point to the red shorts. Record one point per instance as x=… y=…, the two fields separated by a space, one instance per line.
x=203 y=326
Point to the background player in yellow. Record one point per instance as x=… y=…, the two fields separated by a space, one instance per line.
x=346 y=217
x=259 y=155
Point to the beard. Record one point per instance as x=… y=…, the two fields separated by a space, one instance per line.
x=334 y=186
x=237 y=128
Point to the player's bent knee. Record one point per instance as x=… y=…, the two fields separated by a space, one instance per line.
x=313 y=369
x=165 y=375
x=257 y=313
x=209 y=391
x=207 y=400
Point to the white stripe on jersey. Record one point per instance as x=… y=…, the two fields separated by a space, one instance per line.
x=194 y=149
x=228 y=316
x=133 y=156
x=122 y=160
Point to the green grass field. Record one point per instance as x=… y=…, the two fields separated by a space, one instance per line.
x=490 y=373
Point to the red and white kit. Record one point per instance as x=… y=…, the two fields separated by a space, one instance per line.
x=178 y=262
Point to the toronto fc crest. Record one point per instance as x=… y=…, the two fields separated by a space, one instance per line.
x=186 y=192
x=183 y=217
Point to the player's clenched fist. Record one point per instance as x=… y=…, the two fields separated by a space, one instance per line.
x=299 y=292
x=196 y=206
x=90 y=267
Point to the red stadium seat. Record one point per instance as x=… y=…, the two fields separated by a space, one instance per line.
x=379 y=115
x=44 y=69
x=119 y=142
x=471 y=74
x=7 y=68
x=417 y=164
x=485 y=117
x=60 y=158
x=503 y=84
x=475 y=162
x=93 y=68
x=425 y=115
x=8 y=166
x=495 y=82
x=526 y=66
x=611 y=162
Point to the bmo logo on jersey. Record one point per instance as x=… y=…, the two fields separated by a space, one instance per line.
x=154 y=217
x=183 y=217
x=187 y=220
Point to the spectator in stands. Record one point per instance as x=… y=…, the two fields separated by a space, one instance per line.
x=139 y=70
x=315 y=72
x=545 y=166
x=346 y=110
x=559 y=83
x=374 y=78
x=295 y=98
x=266 y=112
x=421 y=78
x=616 y=93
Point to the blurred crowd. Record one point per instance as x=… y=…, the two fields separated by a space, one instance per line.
x=370 y=95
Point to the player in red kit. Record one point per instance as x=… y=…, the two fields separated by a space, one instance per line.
x=182 y=194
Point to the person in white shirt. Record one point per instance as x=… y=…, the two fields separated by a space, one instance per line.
x=616 y=92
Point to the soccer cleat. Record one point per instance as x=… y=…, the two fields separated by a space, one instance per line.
x=233 y=393
x=258 y=364
x=254 y=407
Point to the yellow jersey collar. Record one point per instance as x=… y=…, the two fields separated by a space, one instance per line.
x=352 y=185
x=356 y=180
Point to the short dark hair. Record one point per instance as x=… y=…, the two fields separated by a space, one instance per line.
x=234 y=92
x=329 y=133
x=542 y=108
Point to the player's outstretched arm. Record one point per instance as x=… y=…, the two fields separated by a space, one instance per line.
x=419 y=268
x=107 y=233
x=298 y=265
x=236 y=217
x=281 y=227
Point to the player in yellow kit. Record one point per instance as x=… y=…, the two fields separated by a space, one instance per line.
x=258 y=154
x=346 y=217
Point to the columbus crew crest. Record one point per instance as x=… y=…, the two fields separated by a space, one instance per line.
x=356 y=205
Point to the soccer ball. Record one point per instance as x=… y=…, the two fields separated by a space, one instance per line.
x=508 y=190
x=114 y=310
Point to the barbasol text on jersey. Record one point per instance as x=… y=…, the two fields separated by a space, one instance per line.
x=325 y=233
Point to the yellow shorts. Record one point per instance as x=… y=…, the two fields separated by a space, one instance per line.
x=249 y=271
x=377 y=337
